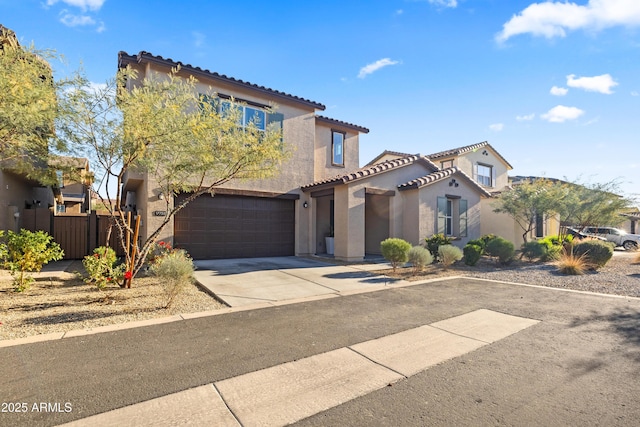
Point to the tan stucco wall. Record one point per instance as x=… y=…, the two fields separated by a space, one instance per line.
x=428 y=205
x=466 y=161
x=350 y=209
x=323 y=156
x=14 y=194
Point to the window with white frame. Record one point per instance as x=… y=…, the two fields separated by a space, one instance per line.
x=484 y=175
x=452 y=216
x=337 y=148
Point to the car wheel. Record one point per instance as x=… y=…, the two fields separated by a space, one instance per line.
x=630 y=245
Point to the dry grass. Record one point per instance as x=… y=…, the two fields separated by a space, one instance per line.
x=67 y=303
x=572 y=264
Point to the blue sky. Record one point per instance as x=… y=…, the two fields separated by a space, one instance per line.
x=553 y=86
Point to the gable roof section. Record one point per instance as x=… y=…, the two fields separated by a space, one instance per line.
x=125 y=59
x=369 y=171
x=467 y=149
x=388 y=152
x=341 y=124
x=441 y=175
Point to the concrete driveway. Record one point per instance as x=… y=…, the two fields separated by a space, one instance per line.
x=248 y=281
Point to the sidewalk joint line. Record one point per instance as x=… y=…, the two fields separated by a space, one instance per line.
x=226 y=405
x=377 y=363
x=459 y=335
x=310 y=281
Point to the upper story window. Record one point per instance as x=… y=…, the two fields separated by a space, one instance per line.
x=485 y=175
x=446 y=164
x=247 y=115
x=337 y=148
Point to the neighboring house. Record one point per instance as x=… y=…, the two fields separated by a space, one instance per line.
x=630 y=224
x=17 y=192
x=74 y=184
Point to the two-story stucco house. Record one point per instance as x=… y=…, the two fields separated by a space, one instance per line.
x=320 y=190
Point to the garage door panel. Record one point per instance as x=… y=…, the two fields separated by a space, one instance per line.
x=236 y=227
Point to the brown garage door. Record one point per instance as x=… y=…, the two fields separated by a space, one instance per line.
x=236 y=227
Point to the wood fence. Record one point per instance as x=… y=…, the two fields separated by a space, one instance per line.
x=77 y=234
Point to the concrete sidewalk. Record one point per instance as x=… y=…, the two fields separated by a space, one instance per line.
x=289 y=392
x=247 y=281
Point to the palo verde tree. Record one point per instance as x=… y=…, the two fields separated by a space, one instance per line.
x=28 y=108
x=529 y=199
x=585 y=204
x=162 y=126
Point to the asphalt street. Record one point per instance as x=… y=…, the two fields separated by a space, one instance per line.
x=579 y=365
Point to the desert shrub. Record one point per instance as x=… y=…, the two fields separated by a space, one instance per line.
x=448 y=254
x=478 y=242
x=175 y=269
x=597 y=252
x=102 y=268
x=500 y=248
x=472 y=254
x=572 y=264
x=434 y=242
x=395 y=250
x=158 y=250
x=419 y=257
x=487 y=238
x=533 y=250
x=27 y=251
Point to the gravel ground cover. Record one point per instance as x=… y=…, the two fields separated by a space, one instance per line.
x=67 y=303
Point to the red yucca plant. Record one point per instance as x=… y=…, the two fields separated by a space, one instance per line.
x=572 y=264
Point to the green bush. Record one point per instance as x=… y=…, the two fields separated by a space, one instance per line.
x=395 y=250
x=27 y=251
x=434 y=242
x=533 y=250
x=102 y=268
x=478 y=242
x=597 y=252
x=419 y=257
x=175 y=269
x=472 y=253
x=449 y=254
x=500 y=248
x=487 y=238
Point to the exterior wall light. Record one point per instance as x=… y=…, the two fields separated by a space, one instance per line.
x=305 y=205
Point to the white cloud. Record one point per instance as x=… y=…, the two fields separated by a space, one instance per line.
x=82 y=4
x=560 y=113
x=444 y=3
x=602 y=84
x=558 y=91
x=553 y=19
x=199 y=38
x=399 y=12
x=496 y=127
x=76 y=20
x=375 y=66
x=526 y=117
x=635 y=93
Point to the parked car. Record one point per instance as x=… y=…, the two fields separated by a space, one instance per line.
x=580 y=235
x=620 y=237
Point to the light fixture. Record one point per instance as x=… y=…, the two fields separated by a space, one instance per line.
x=161 y=196
x=16 y=215
x=305 y=205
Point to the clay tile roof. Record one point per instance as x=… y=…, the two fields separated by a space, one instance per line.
x=368 y=171
x=439 y=176
x=466 y=149
x=388 y=152
x=124 y=59
x=341 y=123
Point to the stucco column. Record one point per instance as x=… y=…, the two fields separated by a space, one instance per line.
x=349 y=223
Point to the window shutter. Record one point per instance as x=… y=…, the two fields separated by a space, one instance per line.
x=462 y=211
x=493 y=176
x=475 y=172
x=276 y=119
